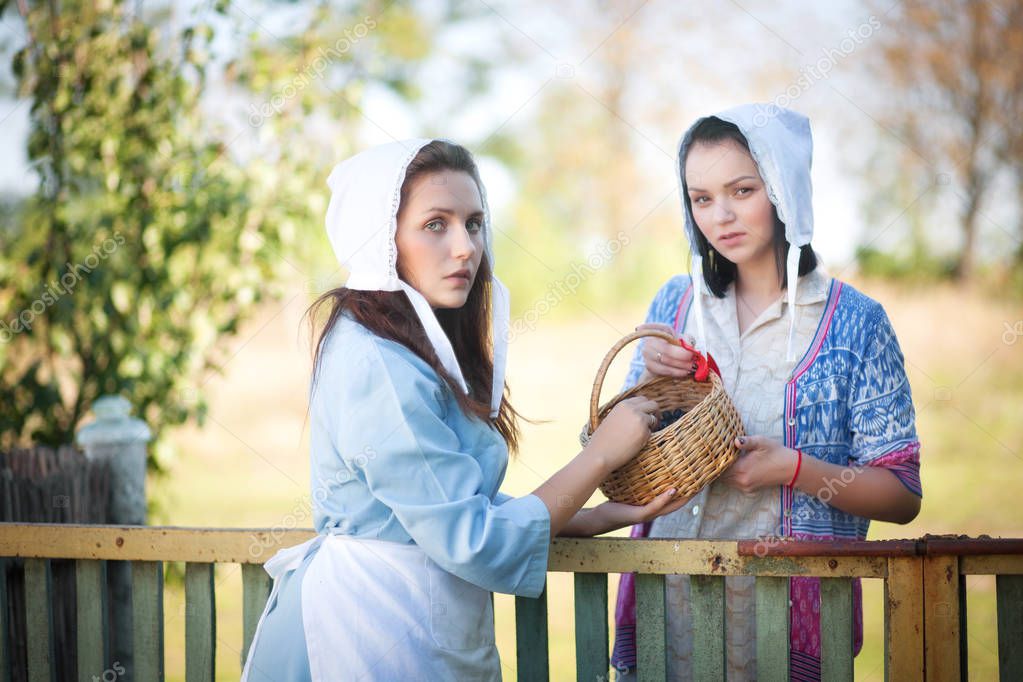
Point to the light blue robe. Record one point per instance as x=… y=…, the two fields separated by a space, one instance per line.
x=394 y=458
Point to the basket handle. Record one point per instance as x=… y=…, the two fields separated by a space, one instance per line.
x=598 y=382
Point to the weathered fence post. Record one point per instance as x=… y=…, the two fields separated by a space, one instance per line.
x=120 y=439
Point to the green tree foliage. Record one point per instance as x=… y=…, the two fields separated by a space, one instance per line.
x=155 y=229
x=139 y=247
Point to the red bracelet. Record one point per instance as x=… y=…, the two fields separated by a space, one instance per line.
x=799 y=464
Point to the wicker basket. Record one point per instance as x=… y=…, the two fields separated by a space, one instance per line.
x=694 y=443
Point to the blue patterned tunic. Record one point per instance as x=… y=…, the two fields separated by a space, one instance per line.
x=847 y=402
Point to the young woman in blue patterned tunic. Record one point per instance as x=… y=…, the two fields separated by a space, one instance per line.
x=813 y=366
x=410 y=432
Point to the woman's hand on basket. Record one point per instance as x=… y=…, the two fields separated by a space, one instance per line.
x=624 y=431
x=662 y=358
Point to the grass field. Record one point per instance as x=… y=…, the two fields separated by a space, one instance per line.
x=249 y=466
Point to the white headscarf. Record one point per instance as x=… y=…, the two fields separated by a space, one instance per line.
x=782 y=147
x=362 y=219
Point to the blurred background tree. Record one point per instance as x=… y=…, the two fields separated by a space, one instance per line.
x=594 y=219
x=192 y=145
x=957 y=122
x=160 y=223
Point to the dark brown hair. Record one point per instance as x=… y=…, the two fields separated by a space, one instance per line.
x=389 y=314
x=718 y=271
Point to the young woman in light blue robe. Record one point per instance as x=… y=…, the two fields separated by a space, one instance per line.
x=410 y=433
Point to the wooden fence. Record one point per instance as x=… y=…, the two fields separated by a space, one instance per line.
x=924 y=580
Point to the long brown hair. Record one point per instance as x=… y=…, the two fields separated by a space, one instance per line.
x=389 y=314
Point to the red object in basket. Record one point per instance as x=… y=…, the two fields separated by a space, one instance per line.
x=704 y=363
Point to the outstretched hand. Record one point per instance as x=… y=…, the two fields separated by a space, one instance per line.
x=610 y=516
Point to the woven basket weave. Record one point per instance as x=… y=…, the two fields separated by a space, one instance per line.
x=686 y=452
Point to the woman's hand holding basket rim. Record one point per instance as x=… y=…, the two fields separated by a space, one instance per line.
x=625 y=430
x=662 y=358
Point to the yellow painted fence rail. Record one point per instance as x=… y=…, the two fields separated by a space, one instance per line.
x=925 y=602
